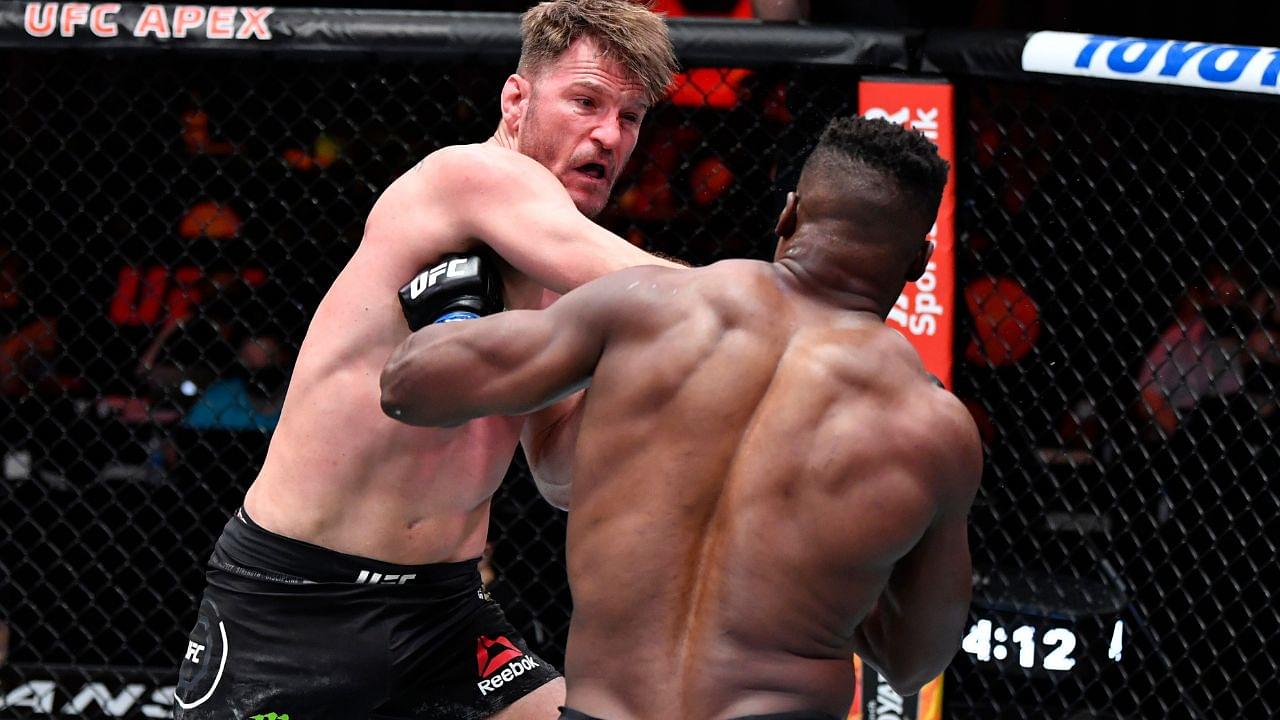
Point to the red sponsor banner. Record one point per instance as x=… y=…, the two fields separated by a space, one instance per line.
x=925 y=313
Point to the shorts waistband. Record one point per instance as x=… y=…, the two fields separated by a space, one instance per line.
x=248 y=549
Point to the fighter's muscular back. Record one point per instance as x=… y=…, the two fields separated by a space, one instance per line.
x=754 y=465
x=342 y=475
x=793 y=452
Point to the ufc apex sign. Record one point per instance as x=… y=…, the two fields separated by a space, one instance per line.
x=108 y=20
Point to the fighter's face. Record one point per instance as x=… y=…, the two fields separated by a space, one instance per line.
x=582 y=122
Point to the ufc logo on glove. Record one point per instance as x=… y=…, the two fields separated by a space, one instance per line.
x=457 y=267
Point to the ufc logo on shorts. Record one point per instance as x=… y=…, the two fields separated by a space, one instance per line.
x=373 y=578
x=193 y=652
x=458 y=267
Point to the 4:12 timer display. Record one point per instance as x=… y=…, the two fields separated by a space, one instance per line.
x=1054 y=651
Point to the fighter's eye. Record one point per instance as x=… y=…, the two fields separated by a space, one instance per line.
x=631 y=117
x=586 y=102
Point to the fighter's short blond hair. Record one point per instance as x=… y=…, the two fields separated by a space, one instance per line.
x=627 y=31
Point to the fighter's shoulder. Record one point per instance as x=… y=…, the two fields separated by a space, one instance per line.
x=736 y=284
x=478 y=165
x=928 y=422
x=639 y=284
x=436 y=191
x=902 y=376
x=868 y=355
x=942 y=433
x=411 y=206
x=642 y=298
x=723 y=286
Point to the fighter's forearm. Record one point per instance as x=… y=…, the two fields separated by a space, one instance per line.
x=511 y=363
x=915 y=627
x=420 y=383
x=909 y=646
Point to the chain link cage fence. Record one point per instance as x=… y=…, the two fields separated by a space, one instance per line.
x=1119 y=354
x=1117 y=345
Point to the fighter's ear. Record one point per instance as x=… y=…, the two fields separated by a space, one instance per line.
x=515 y=101
x=786 y=226
x=920 y=261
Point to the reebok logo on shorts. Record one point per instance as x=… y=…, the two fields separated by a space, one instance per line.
x=493 y=654
x=491 y=657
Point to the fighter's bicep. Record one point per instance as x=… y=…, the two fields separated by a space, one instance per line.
x=535 y=358
x=546 y=355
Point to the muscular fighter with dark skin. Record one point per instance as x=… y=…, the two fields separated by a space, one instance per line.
x=766 y=480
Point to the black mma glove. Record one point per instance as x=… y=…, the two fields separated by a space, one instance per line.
x=459 y=287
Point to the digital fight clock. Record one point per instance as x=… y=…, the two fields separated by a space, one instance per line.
x=1043 y=646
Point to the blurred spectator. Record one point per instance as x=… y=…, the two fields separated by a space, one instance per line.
x=237 y=369
x=196 y=134
x=1198 y=356
x=248 y=398
x=1081 y=427
x=1262 y=356
x=28 y=337
x=1218 y=475
x=189 y=353
x=37 y=414
x=210 y=219
x=1265 y=303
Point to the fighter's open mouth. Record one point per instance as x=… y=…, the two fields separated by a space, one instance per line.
x=595 y=170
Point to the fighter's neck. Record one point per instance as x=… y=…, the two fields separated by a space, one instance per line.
x=504 y=138
x=835 y=286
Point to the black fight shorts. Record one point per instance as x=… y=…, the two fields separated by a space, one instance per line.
x=287 y=629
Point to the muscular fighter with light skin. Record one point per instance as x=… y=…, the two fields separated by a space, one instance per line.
x=376 y=500
x=766 y=479
x=340 y=477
